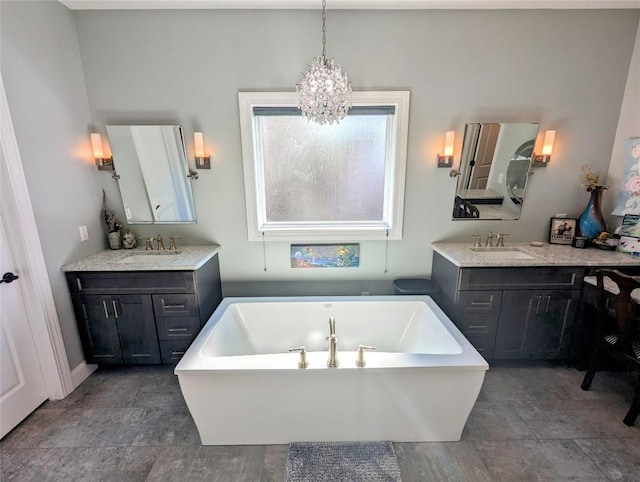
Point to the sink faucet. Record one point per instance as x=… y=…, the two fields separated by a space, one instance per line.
x=332 y=362
x=172 y=242
x=490 y=239
x=160 y=246
x=500 y=239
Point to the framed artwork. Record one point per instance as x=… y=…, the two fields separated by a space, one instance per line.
x=562 y=230
x=325 y=255
x=629 y=199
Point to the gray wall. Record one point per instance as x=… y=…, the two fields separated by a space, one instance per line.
x=47 y=99
x=564 y=69
x=187 y=66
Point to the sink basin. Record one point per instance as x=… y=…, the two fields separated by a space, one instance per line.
x=149 y=259
x=501 y=253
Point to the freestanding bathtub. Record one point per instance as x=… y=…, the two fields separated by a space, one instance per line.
x=243 y=386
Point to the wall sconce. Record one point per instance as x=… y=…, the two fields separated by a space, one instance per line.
x=202 y=161
x=446 y=159
x=541 y=160
x=103 y=163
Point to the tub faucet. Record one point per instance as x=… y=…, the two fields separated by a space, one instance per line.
x=361 y=349
x=332 y=362
x=302 y=362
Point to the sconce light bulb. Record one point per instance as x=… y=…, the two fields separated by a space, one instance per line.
x=448 y=143
x=547 y=145
x=96 y=144
x=198 y=141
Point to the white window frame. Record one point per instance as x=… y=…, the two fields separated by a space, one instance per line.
x=396 y=161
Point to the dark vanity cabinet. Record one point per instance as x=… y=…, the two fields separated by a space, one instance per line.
x=117 y=329
x=142 y=317
x=511 y=313
x=536 y=324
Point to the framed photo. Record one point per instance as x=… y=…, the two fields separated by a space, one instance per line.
x=562 y=230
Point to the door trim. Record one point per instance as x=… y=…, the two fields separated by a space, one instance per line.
x=43 y=318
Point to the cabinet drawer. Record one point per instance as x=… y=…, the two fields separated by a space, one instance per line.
x=139 y=282
x=177 y=327
x=477 y=323
x=482 y=342
x=479 y=302
x=521 y=278
x=172 y=351
x=173 y=305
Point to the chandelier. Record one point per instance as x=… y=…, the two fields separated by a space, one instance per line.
x=324 y=93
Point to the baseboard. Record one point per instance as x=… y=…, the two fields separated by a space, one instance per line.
x=80 y=373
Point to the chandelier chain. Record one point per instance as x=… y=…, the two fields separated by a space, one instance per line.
x=324 y=28
x=324 y=93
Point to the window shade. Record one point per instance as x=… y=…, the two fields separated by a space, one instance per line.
x=355 y=110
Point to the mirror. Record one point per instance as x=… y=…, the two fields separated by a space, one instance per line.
x=153 y=170
x=494 y=169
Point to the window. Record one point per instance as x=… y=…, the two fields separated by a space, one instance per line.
x=309 y=182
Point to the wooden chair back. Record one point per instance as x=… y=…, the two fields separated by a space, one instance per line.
x=624 y=308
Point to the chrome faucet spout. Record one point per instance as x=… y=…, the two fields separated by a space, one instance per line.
x=332 y=362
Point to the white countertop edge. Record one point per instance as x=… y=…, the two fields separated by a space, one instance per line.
x=193 y=257
x=461 y=256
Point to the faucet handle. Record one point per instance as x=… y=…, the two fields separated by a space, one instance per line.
x=361 y=349
x=302 y=362
x=478 y=241
x=172 y=242
x=500 y=238
x=148 y=244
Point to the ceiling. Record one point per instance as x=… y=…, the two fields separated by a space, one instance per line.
x=347 y=4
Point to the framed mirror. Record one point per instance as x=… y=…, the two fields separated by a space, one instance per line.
x=153 y=170
x=494 y=170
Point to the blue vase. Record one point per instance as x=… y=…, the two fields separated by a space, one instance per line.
x=591 y=221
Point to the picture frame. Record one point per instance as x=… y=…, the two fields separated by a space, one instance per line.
x=325 y=255
x=562 y=230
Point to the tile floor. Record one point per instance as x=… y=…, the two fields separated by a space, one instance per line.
x=130 y=424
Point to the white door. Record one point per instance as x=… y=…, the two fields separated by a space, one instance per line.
x=22 y=387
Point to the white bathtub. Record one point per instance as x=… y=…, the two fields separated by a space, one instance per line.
x=242 y=385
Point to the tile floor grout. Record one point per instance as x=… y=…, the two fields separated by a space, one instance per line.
x=528 y=424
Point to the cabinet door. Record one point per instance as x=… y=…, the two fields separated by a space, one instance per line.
x=549 y=337
x=98 y=329
x=535 y=324
x=136 y=328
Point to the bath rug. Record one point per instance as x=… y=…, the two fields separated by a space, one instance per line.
x=342 y=461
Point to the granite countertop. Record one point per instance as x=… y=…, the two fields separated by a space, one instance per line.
x=462 y=256
x=474 y=194
x=183 y=259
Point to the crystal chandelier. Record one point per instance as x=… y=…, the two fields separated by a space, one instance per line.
x=324 y=93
